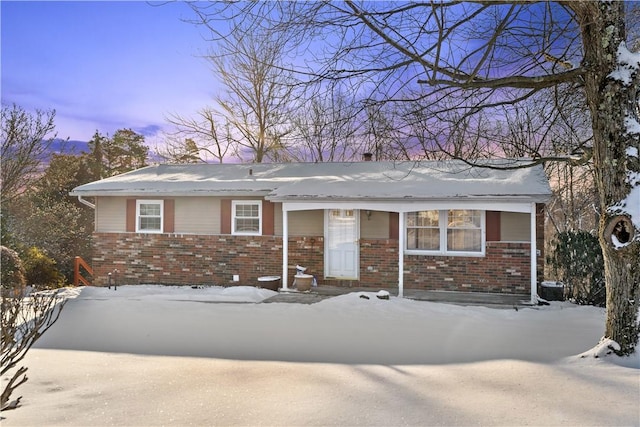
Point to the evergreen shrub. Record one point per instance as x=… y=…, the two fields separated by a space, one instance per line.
x=41 y=270
x=577 y=261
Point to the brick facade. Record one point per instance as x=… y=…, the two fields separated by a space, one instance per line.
x=504 y=268
x=195 y=259
x=181 y=259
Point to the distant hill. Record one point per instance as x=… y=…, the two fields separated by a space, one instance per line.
x=75 y=147
x=62 y=146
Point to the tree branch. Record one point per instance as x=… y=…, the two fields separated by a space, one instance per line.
x=518 y=82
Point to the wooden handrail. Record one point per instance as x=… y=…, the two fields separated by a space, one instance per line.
x=77 y=277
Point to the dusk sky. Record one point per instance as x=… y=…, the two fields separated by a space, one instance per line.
x=104 y=65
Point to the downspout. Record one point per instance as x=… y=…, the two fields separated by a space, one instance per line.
x=86 y=203
x=401 y=255
x=534 y=257
x=285 y=247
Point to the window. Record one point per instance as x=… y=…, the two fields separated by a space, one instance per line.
x=149 y=216
x=246 y=217
x=423 y=230
x=464 y=231
x=445 y=232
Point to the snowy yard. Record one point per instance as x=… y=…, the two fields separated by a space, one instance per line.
x=151 y=355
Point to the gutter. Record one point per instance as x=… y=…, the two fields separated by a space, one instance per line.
x=86 y=202
x=507 y=198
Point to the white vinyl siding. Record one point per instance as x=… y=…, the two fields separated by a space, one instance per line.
x=197 y=215
x=301 y=223
x=515 y=227
x=111 y=214
x=375 y=225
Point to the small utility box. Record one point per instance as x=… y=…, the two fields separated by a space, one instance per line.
x=552 y=291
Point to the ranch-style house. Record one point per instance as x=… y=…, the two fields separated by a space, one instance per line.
x=436 y=225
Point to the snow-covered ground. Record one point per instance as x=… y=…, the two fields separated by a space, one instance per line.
x=152 y=355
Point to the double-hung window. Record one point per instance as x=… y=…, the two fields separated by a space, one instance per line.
x=423 y=231
x=149 y=218
x=445 y=232
x=246 y=217
x=464 y=230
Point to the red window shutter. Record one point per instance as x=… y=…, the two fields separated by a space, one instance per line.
x=131 y=215
x=394 y=224
x=268 y=218
x=493 y=226
x=169 y=215
x=225 y=216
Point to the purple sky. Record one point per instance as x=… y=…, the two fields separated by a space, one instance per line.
x=104 y=65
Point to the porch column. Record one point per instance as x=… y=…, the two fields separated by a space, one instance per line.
x=285 y=247
x=401 y=254
x=534 y=257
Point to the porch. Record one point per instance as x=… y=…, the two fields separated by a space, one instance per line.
x=493 y=300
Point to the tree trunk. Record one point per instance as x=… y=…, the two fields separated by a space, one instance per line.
x=610 y=101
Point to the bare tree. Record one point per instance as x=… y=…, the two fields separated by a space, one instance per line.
x=25 y=317
x=25 y=140
x=382 y=133
x=257 y=98
x=258 y=92
x=325 y=130
x=447 y=134
x=205 y=137
x=479 y=56
x=178 y=150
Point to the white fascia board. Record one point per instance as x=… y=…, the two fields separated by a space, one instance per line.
x=403 y=206
x=116 y=193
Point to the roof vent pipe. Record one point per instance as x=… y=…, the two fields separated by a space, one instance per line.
x=367 y=157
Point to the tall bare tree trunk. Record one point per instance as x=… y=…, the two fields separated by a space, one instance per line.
x=611 y=101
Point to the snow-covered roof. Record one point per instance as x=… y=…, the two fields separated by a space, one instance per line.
x=330 y=181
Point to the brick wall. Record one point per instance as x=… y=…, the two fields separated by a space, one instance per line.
x=505 y=268
x=185 y=259
x=191 y=259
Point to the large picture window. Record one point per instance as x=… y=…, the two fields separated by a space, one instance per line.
x=445 y=232
x=149 y=216
x=246 y=217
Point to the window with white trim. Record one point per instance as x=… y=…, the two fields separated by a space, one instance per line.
x=246 y=217
x=423 y=230
x=445 y=232
x=149 y=216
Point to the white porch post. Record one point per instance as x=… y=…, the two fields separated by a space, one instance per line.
x=285 y=247
x=534 y=257
x=401 y=254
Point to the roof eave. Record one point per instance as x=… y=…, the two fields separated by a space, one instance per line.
x=161 y=193
x=517 y=198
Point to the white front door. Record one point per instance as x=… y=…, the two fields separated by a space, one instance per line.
x=341 y=243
